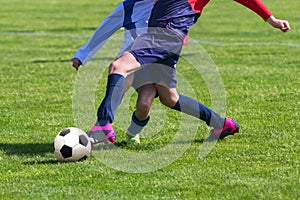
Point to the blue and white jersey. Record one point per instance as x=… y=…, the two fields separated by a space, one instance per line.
x=131 y=14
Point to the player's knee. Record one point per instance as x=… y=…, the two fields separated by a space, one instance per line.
x=166 y=102
x=114 y=67
x=142 y=109
x=143 y=106
x=170 y=99
x=169 y=102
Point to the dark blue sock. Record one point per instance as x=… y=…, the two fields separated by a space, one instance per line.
x=194 y=108
x=112 y=99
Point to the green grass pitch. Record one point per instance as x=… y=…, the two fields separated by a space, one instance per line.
x=260 y=69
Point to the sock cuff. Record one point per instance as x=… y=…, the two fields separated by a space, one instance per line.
x=136 y=126
x=138 y=122
x=116 y=79
x=177 y=105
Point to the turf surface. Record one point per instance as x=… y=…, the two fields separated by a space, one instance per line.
x=260 y=70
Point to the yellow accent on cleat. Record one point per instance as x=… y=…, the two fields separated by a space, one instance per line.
x=133 y=139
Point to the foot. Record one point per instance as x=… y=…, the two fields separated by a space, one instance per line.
x=132 y=139
x=230 y=128
x=102 y=134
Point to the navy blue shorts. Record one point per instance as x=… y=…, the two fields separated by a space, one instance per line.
x=158 y=45
x=162 y=43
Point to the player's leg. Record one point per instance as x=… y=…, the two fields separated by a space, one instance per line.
x=118 y=70
x=140 y=117
x=169 y=97
x=146 y=49
x=222 y=126
x=146 y=94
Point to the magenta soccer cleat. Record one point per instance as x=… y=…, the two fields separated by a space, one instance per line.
x=230 y=128
x=102 y=134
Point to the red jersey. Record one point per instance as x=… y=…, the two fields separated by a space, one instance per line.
x=166 y=9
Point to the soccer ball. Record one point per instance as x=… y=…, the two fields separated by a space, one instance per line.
x=72 y=144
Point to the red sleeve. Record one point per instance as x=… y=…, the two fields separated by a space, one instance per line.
x=185 y=40
x=257 y=6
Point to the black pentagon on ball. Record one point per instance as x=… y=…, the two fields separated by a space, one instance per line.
x=66 y=151
x=83 y=158
x=64 y=132
x=83 y=140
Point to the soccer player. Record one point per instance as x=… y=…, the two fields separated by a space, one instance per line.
x=133 y=15
x=173 y=18
x=176 y=17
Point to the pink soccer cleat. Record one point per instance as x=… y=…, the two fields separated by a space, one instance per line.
x=230 y=128
x=102 y=134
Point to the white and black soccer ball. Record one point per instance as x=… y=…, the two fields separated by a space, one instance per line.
x=72 y=144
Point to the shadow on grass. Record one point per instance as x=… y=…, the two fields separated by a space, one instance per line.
x=143 y=147
x=199 y=140
x=34 y=153
x=48 y=161
x=50 y=61
x=41 y=162
x=65 y=61
x=43 y=148
x=63 y=30
x=27 y=149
